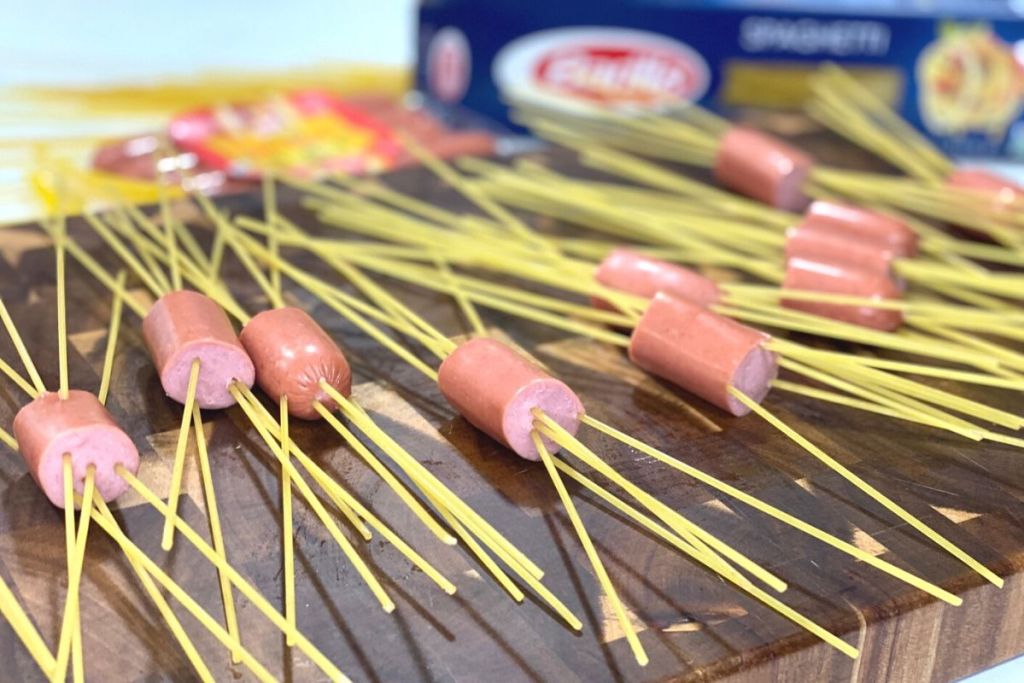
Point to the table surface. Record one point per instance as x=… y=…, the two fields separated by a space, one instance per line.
x=694 y=626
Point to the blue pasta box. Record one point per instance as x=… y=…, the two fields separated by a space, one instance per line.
x=953 y=68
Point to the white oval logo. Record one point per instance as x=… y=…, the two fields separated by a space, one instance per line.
x=601 y=67
x=448 y=65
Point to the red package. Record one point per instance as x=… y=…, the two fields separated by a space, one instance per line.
x=305 y=133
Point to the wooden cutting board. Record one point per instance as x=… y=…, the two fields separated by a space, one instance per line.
x=694 y=626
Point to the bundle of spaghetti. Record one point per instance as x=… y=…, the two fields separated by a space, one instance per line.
x=665 y=193
x=88 y=485
x=392 y=202
x=549 y=189
x=657 y=217
x=688 y=135
x=170 y=96
x=873 y=125
x=929 y=414
x=757 y=165
x=851 y=110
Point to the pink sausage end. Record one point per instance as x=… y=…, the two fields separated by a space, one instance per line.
x=49 y=427
x=763 y=167
x=703 y=352
x=641 y=275
x=496 y=390
x=183 y=326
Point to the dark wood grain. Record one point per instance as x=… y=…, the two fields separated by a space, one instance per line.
x=694 y=626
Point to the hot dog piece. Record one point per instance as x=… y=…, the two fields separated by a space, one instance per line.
x=763 y=167
x=49 y=427
x=1001 y=191
x=292 y=354
x=863 y=225
x=496 y=389
x=839 y=279
x=813 y=244
x=703 y=352
x=635 y=273
x=183 y=326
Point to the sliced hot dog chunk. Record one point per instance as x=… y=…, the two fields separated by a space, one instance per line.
x=841 y=279
x=49 y=427
x=763 y=167
x=1003 y=190
x=813 y=244
x=863 y=225
x=292 y=354
x=644 y=276
x=703 y=352
x=496 y=389
x=183 y=326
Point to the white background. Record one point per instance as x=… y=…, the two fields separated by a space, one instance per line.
x=90 y=41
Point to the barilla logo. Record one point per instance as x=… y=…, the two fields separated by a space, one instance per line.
x=617 y=74
x=601 y=67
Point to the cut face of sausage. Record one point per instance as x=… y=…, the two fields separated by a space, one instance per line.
x=292 y=354
x=814 y=244
x=863 y=225
x=839 y=279
x=496 y=390
x=183 y=326
x=703 y=352
x=763 y=167
x=635 y=273
x=49 y=427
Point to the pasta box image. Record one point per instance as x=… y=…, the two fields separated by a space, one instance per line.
x=953 y=68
